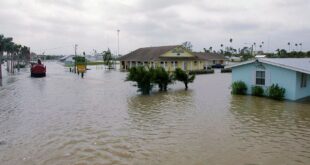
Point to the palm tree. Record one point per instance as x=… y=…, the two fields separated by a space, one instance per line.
x=107 y=58
x=8 y=48
x=210 y=48
x=289 y=46
x=296 y=45
x=300 y=44
x=1 y=53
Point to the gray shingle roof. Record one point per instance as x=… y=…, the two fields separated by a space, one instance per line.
x=209 y=56
x=154 y=53
x=147 y=54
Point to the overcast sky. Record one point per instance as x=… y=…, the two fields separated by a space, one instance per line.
x=54 y=26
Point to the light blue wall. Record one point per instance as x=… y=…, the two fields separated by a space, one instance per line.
x=274 y=75
x=302 y=92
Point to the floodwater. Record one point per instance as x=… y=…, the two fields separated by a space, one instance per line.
x=64 y=119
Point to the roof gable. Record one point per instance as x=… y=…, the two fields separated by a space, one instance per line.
x=178 y=52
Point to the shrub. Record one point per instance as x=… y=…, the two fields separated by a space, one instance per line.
x=162 y=78
x=205 y=71
x=276 y=92
x=181 y=75
x=142 y=77
x=226 y=70
x=257 y=91
x=239 y=88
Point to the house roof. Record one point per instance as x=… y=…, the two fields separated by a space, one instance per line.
x=296 y=64
x=209 y=56
x=154 y=54
x=147 y=54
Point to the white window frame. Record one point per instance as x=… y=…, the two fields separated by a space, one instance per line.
x=264 y=78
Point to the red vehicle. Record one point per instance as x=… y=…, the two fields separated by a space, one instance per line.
x=38 y=69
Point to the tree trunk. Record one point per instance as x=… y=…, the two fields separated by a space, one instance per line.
x=7 y=61
x=12 y=62
x=18 y=67
x=186 y=87
x=1 y=54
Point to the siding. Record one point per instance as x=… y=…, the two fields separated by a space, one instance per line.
x=302 y=92
x=274 y=75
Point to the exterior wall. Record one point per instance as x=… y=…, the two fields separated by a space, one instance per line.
x=168 y=65
x=181 y=53
x=302 y=92
x=274 y=75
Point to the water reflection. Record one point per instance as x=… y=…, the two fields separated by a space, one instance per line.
x=272 y=128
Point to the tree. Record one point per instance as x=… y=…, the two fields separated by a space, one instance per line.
x=289 y=46
x=107 y=58
x=162 y=78
x=143 y=77
x=187 y=45
x=181 y=75
x=1 y=53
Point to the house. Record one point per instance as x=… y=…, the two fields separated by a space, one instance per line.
x=68 y=60
x=169 y=57
x=293 y=74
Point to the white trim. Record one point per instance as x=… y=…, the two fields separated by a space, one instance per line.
x=270 y=63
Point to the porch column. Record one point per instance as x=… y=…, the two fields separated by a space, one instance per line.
x=130 y=64
x=174 y=65
x=191 y=65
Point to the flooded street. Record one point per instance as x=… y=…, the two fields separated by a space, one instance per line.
x=64 y=119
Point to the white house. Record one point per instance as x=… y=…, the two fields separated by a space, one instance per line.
x=293 y=74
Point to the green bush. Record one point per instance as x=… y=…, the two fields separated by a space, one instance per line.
x=257 y=91
x=162 y=78
x=239 y=88
x=143 y=77
x=181 y=75
x=205 y=71
x=276 y=92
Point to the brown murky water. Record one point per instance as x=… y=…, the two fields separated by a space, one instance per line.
x=63 y=119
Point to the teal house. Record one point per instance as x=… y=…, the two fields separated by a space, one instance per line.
x=293 y=74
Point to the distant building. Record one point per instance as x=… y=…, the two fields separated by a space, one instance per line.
x=170 y=58
x=68 y=60
x=293 y=74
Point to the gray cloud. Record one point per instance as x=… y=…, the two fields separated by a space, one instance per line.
x=92 y=24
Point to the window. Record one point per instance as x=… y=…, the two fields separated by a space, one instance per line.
x=260 y=78
x=303 y=82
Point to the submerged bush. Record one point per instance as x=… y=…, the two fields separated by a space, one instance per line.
x=143 y=78
x=181 y=75
x=257 y=91
x=276 y=92
x=239 y=88
x=162 y=78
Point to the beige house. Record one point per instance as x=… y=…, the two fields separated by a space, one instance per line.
x=170 y=58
